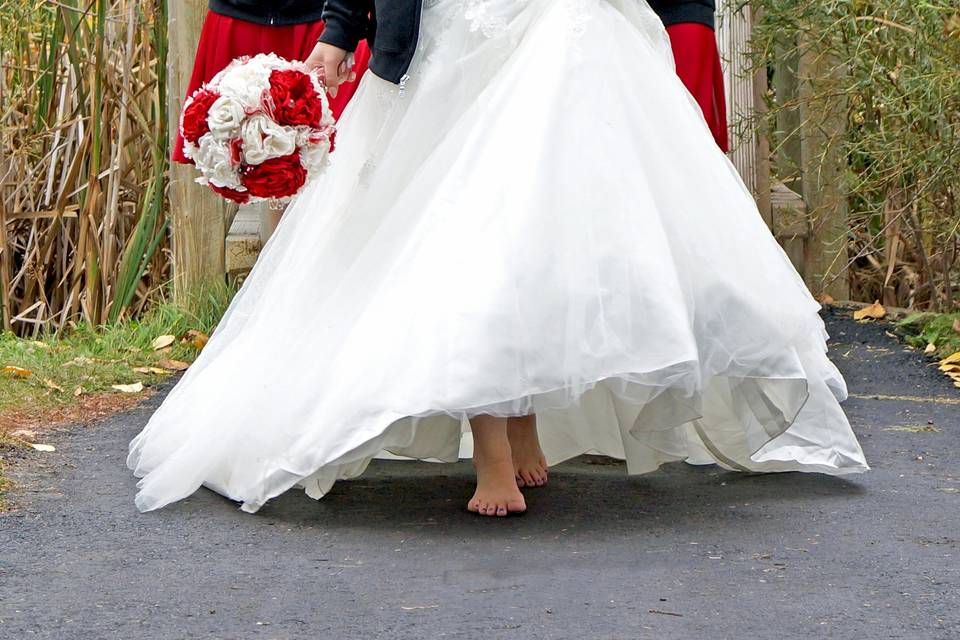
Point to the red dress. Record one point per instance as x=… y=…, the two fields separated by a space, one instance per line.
x=224 y=39
x=698 y=65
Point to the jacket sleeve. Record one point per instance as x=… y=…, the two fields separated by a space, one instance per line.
x=347 y=22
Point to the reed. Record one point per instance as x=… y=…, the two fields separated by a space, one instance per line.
x=83 y=170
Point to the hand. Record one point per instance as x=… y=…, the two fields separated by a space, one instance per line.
x=334 y=64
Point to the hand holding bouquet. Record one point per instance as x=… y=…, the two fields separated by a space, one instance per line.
x=259 y=130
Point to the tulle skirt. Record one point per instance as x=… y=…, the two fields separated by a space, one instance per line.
x=538 y=221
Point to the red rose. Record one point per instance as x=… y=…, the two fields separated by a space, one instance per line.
x=295 y=100
x=333 y=140
x=275 y=178
x=240 y=197
x=193 y=120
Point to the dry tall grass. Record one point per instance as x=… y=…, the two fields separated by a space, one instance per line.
x=83 y=147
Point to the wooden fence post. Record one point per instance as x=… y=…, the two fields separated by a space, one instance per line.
x=198 y=215
x=823 y=118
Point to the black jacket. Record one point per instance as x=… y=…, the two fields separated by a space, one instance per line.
x=677 y=11
x=391 y=28
x=394 y=41
x=277 y=12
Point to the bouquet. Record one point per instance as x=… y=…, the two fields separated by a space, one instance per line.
x=259 y=130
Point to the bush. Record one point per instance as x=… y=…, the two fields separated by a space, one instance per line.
x=897 y=63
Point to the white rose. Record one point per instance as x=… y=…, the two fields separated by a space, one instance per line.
x=215 y=160
x=245 y=82
x=225 y=117
x=189 y=150
x=314 y=156
x=264 y=139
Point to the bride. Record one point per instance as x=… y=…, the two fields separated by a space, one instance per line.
x=527 y=230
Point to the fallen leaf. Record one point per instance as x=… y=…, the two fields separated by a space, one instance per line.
x=931 y=349
x=174 y=365
x=78 y=361
x=17 y=371
x=949 y=368
x=78 y=392
x=825 y=299
x=53 y=385
x=196 y=339
x=162 y=342
x=24 y=434
x=949 y=489
x=954 y=359
x=153 y=370
x=914 y=428
x=874 y=312
x=46 y=448
x=136 y=387
x=42 y=345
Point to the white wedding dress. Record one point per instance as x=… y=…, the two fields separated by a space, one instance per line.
x=538 y=221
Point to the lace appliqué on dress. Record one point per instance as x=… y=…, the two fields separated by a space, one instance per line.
x=482 y=20
x=579 y=16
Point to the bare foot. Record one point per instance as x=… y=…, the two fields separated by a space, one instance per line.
x=529 y=463
x=497 y=493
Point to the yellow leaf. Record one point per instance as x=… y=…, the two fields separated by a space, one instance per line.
x=17 y=371
x=947 y=368
x=42 y=345
x=874 y=312
x=53 y=385
x=954 y=359
x=825 y=299
x=931 y=348
x=46 y=448
x=136 y=387
x=174 y=365
x=153 y=370
x=162 y=342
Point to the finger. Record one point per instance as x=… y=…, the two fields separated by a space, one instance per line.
x=331 y=74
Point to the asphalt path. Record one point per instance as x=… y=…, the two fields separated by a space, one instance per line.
x=682 y=553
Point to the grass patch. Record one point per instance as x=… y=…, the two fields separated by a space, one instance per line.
x=940 y=330
x=69 y=377
x=83 y=360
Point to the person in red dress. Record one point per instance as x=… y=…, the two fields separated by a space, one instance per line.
x=691 y=25
x=235 y=28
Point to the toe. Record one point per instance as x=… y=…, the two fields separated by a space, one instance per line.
x=501 y=510
x=520 y=481
x=473 y=506
x=528 y=478
x=516 y=506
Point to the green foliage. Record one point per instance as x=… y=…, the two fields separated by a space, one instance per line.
x=922 y=329
x=898 y=64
